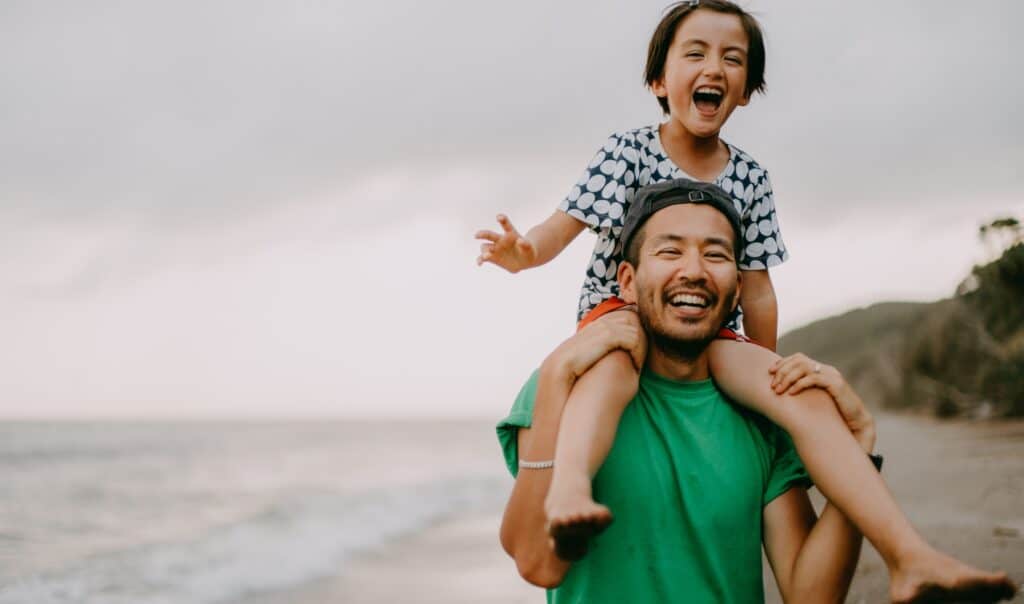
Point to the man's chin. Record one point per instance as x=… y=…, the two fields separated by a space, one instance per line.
x=684 y=340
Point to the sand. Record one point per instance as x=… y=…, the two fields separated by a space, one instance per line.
x=962 y=484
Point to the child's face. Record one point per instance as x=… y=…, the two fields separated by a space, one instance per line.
x=705 y=72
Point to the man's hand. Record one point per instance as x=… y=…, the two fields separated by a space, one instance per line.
x=796 y=373
x=618 y=329
x=509 y=250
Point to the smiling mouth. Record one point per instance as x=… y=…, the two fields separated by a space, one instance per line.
x=690 y=301
x=707 y=100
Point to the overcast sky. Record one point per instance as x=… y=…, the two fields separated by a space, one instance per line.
x=237 y=209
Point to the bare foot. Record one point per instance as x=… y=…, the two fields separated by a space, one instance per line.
x=573 y=519
x=936 y=577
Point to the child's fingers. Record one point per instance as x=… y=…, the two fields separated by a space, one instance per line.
x=506 y=225
x=488 y=235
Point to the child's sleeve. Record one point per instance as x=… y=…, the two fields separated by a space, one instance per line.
x=600 y=196
x=763 y=247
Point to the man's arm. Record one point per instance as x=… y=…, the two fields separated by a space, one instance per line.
x=760 y=308
x=524 y=533
x=814 y=558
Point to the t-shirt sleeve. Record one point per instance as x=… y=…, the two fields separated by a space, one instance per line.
x=763 y=247
x=600 y=196
x=520 y=416
x=787 y=471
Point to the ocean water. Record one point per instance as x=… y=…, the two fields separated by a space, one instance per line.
x=200 y=513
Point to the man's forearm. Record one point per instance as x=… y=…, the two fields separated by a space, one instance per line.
x=523 y=529
x=825 y=565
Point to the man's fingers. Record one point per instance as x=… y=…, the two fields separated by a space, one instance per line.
x=807 y=381
x=786 y=377
x=784 y=368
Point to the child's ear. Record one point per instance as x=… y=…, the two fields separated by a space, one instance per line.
x=658 y=88
x=744 y=100
x=627 y=282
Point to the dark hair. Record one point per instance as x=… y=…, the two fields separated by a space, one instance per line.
x=661 y=40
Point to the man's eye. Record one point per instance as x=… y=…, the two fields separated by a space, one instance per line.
x=716 y=255
x=668 y=251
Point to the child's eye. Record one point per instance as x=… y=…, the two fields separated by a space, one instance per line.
x=734 y=60
x=695 y=54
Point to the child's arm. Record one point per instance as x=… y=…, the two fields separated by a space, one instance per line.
x=760 y=308
x=514 y=252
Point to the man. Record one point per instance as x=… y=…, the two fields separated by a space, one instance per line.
x=697 y=485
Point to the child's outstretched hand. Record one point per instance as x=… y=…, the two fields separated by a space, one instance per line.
x=509 y=250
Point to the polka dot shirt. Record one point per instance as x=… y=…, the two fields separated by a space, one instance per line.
x=633 y=159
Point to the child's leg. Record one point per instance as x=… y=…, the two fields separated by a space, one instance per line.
x=844 y=475
x=585 y=436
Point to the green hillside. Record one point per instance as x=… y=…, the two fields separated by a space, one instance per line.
x=959 y=356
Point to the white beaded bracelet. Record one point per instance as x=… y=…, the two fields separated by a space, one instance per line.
x=536 y=465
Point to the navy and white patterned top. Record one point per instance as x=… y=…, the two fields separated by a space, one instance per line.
x=633 y=159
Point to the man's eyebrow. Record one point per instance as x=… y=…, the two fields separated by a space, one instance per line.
x=672 y=238
x=722 y=241
x=666 y=238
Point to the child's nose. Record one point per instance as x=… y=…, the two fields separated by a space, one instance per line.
x=713 y=67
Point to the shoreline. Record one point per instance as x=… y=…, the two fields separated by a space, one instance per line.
x=961 y=483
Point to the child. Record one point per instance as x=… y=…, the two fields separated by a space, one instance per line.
x=705 y=59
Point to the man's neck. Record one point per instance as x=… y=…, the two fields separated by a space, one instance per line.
x=676 y=368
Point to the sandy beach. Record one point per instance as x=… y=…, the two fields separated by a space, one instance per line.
x=961 y=483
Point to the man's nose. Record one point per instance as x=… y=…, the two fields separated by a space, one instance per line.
x=691 y=267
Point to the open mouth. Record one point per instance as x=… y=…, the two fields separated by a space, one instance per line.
x=707 y=99
x=689 y=301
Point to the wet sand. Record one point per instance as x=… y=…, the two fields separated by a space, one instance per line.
x=962 y=484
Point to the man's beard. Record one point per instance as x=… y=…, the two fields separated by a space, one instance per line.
x=692 y=347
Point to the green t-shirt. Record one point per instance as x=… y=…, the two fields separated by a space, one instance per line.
x=687 y=479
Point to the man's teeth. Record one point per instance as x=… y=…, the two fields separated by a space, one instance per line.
x=688 y=300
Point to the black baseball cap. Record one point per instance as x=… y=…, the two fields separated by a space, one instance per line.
x=656 y=197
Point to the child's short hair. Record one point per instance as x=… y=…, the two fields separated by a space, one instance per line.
x=663 y=35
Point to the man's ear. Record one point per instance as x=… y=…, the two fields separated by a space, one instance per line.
x=627 y=282
x=739 y=288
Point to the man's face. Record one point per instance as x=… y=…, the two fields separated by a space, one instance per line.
x=686 y=282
